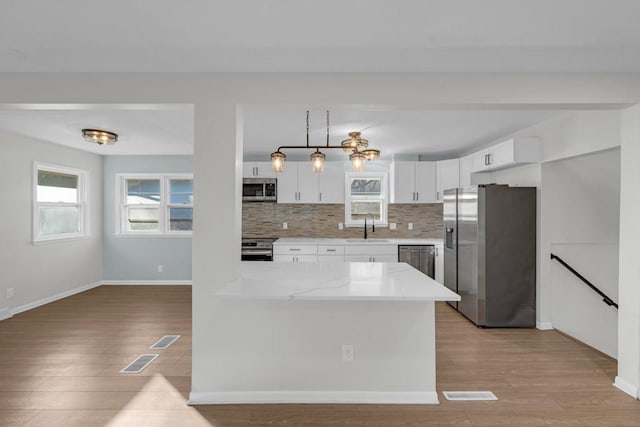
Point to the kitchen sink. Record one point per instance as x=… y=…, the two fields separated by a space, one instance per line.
x=367 y=240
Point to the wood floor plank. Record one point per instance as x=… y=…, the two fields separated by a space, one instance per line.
x=59 y=366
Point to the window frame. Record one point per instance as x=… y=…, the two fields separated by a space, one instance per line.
x=164 y=229
x=384 y=197
x=82 y=203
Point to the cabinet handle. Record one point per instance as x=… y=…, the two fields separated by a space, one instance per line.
x=436 y=251
x=489 y=158
x=320 y=196
x=417 y=196
x=437 y=195
x=294 y=249
x=331 y=250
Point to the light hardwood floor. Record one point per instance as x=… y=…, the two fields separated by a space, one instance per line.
x=59 y=367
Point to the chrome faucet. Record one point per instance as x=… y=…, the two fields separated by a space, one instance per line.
x=373 y=226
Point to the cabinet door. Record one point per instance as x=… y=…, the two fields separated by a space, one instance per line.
x=288 y=183
x=448 y=176
x=307 y=183
x=306 y=258
x=263 y=170
x=330 y=258
x=465 y=171
x=426 y=182
x=249 y=170
x=358 y=258
x=404 y=182
x=331 y=183
x=502 y=154
x=284 y=258
x=479 y=161
x=384 y=258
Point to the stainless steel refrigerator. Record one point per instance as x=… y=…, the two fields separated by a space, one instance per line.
x=490 y=253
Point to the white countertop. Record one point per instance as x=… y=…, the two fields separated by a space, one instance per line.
x=354 y=241
x=349 y=281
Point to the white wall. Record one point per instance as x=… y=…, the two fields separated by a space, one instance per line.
x=628 y=378
x=40 y=271
x=218 y=157
x=581 y=209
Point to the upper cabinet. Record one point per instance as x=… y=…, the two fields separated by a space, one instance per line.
x=414 y=182
x=511 y=152
x=448 y=176
x=257 y=170
x=299 y=184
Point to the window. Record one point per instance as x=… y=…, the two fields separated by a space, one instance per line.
x=155 y=204
x=60 y=203
x=366 y=197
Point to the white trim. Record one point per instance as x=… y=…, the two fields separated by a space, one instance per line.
x=626 y=387
x=5 y=314
x=377 y=397
x=146 y=282
x=52 y=298
x=544 y=326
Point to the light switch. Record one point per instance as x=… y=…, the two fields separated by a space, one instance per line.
x=340 y=226
x=392 y=226
x=410 y=226
x=285 y=226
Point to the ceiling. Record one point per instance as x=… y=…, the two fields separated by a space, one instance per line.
x=397 y=133
x=142 y=129
x=320 y=35
x=168 y=129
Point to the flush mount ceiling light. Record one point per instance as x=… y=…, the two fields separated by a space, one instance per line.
x=355 y=145
x=100 y=137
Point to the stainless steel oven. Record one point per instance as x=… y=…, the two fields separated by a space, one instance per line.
x=257 y=249
x=259 y=190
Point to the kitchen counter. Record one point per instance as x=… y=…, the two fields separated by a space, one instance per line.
x=355 y=241
x=355 y=281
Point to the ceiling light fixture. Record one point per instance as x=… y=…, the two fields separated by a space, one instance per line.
x=100 y=137
x=355 y=145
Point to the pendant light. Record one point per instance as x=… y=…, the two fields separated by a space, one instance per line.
x=355 y=145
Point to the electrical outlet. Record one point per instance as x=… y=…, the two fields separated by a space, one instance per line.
x=392 y=226
x=340 y=226
x=10 y=293
x=410 y=226
x=347 y=352
x=285 y=226
x=160 y=268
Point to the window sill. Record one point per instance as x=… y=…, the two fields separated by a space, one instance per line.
x=59 y=240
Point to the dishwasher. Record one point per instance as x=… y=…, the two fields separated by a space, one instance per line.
x=420 y=257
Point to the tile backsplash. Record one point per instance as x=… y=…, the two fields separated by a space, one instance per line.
x=321 y=220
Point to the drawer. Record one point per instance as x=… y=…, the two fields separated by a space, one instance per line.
x=295 y=249
x=371 y=250
x=330 y=250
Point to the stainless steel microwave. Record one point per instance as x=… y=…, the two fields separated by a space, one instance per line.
x=259 y=190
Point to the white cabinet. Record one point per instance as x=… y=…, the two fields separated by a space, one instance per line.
x=511 y=152
x=371 y=253
x=465 y=171
x=448 y=176
x=414 y=182
x=297 y=183
x=295 y=253
x=257 y=170
x=300 y=184
x=331 y=183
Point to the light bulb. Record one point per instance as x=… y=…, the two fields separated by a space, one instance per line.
x=317 y=161
x=277 y=161
x=357 y=161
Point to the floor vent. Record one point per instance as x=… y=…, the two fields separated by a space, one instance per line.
x=165 y=342
x=469 y=395
x=139 y=364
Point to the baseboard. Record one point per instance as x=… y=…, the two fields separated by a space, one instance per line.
x=5 y=313
x=544 y=326
x=146 y=282
x=627 y=387
x=380 y=397
x=52 y=298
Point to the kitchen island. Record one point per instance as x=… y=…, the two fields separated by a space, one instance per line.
x=327 y=333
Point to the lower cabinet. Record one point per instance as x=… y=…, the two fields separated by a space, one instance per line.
x=295 y=258
x=371 y=258
x=371 y=253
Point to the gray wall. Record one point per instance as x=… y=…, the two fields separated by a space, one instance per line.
x=134 y=258
x=41 y=271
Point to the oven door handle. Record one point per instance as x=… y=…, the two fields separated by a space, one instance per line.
x=266 y=252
